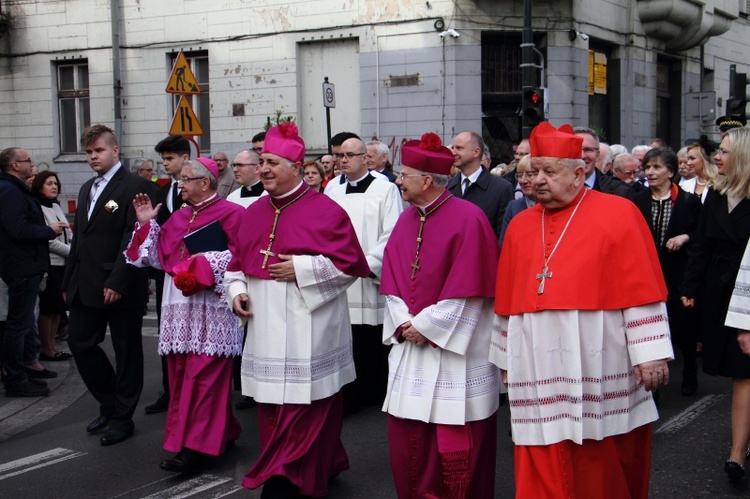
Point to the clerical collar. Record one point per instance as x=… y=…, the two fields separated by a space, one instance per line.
x=354 y=183
x=293 y=191
x=361 y=185
x=252 y=191
x=203 y=203
x=429 y=205
x=473 y=177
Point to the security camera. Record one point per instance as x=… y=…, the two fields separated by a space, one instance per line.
x=583 y=36
x=450 y=31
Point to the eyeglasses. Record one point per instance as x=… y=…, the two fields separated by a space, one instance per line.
x=185 y=180
x=240 y=165
x=528 y=175
x=27 y=160
x=402 y=176
x=724 y=152
x=221 y=160
x=631 y=173
x=349 y=155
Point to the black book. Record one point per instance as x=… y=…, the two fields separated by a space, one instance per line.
x=210 y=237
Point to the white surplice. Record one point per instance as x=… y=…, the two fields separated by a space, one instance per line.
x=201 y=323
x=373 y=214
x=570 y=372
x=738 y=314
x=452 y=382
x=298 y=347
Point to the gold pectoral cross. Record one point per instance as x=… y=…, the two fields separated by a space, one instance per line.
x=267 y=253
x=541 y=278
x=414 y=267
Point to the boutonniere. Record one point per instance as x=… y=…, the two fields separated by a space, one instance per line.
x=111 y=206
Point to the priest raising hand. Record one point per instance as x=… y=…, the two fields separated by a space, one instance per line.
x=144 y=210
x=581 y=331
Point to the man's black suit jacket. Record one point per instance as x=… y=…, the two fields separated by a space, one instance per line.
x=96 y=258
x=612 y=185
x=490 y=192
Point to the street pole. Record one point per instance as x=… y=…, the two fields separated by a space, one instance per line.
x=328 y=124
x=527 y=65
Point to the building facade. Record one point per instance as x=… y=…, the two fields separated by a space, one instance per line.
x=631 y=69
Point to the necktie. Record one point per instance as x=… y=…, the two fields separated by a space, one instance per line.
x=92 y=193
x=466 y=184
x=176 y=198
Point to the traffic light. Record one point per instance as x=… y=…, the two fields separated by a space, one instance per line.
x=737 y=94
x=533 y=107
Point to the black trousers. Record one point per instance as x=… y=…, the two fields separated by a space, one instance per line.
x=118 y=388
x=371 y=364
x=158 y=276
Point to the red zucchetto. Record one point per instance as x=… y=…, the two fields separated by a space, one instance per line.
x=547 y=141
x=428 y=155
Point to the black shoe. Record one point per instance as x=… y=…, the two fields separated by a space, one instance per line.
x=98 y=424
x=245 y=403
x=186 y=461
x=26 y=389
x=116 y=435
x=37 y=382
x=43 y=374
x=161 y=404
x=689 y=385
x=734 y=471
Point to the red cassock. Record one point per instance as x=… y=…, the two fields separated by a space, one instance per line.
x=606 y=261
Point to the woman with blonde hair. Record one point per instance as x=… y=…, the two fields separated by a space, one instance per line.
x=720 y=241
x=705 y=171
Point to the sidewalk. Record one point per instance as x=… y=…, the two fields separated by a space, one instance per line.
x=18 y=414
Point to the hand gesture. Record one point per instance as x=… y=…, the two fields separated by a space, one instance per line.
x=144 y=210
x=283 y=271
x=652 y=374
x=241 y=305
x=58 y=227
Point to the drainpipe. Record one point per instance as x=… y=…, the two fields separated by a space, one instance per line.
x=115 y=16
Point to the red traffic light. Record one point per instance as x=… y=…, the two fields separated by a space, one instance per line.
x=534 y=98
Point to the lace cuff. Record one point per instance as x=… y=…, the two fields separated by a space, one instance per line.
x=142 y=251
x=219 y=261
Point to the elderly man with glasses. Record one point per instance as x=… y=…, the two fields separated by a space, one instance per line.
x=199 y=334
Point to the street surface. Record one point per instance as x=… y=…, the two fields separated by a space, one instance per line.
x=45 y=451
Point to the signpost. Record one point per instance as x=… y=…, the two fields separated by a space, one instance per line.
x=182 y=81
x=329 y=101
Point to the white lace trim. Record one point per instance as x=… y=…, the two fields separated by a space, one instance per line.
x=200 y=327
x=148 y=253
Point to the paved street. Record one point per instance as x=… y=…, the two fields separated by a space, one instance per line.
x=46 y=453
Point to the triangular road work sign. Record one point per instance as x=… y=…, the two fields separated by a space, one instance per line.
x=182 y=80
x=185 y=121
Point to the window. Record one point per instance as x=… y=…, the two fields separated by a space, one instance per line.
x=73 y=104
x=199 y=66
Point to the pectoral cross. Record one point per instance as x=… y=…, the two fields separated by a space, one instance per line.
x=267 y=252
x=414 y=267
x=541 y=278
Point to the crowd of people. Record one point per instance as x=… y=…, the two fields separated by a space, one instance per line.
x=560 y=281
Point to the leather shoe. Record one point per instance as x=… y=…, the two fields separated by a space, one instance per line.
x=689 y=386
x=186 y=461
x=44 y=373
x=161 y=404
x=735 y=471
x=116 y=435
x=98 y=424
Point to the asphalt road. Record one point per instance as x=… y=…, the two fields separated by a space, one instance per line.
x=45 y=451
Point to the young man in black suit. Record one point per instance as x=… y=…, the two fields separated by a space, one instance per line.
x=174 y=150
x=102 y=290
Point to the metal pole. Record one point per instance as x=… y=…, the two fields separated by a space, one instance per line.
x=117 y=86
x=527 y=63
x=328 y=124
